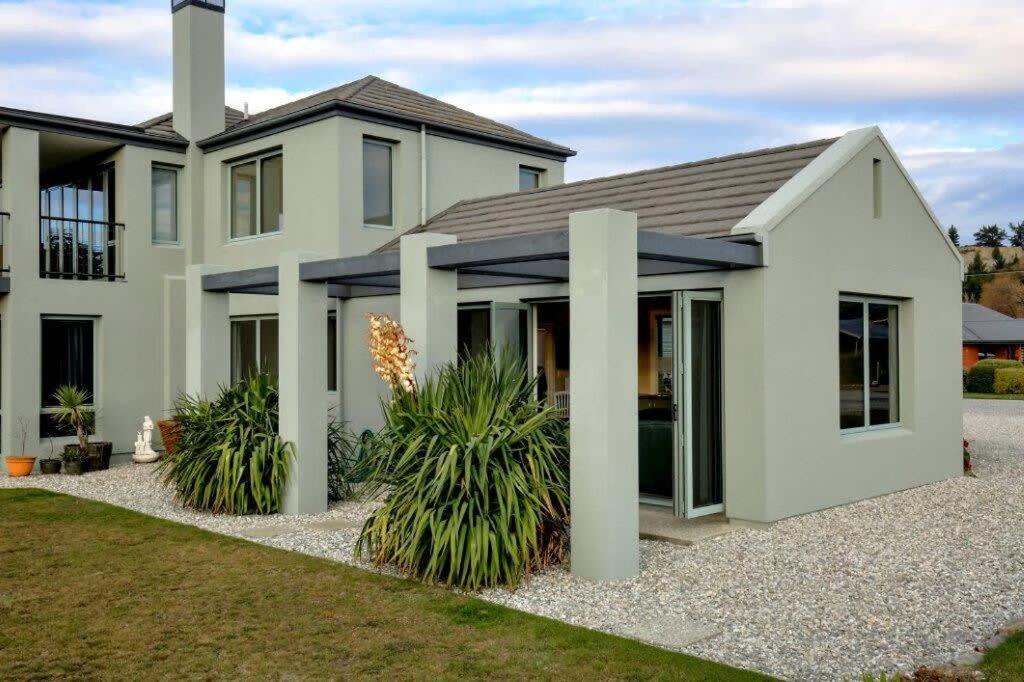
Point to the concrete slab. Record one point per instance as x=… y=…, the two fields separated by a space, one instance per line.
x=658 y=523
x=336 y=524
x=669 y=632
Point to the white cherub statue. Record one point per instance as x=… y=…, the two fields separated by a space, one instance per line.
x=144 y=443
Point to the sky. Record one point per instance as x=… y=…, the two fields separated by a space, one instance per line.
x=627 y=84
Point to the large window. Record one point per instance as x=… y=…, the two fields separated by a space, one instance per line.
x=530 y=178
x=78 y=238
x=254 y=347
x=378 y=202
x=257 y=196
x=868 y=363
x=68 y=357
x=165 y=205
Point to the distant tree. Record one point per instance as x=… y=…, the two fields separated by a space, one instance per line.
x=1004 y=295
x=998 y=260
x=1017 y=234
x=990 y=235
x=954 y=235
x=975 y=278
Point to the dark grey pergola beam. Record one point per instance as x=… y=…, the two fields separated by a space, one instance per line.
x=697 y=250
x=345 y=270
x=517 y=249
x=241 y=281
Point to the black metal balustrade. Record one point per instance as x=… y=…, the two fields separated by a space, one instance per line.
x=74 y=248
x=4 y=219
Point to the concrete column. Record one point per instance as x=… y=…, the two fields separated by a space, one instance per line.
x=20 y=359
x=428 y=303
x=207 y=335
x=302 y=371
x=604 y=486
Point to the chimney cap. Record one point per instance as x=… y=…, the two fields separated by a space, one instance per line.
x=214 y=5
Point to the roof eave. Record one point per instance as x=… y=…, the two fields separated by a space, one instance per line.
x=81 y=127
x=323 y=110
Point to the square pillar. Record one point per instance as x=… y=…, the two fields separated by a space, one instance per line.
x=20 y=346
x=302 y=372
x=604 y=486
x=428 y=303
x=207 y=335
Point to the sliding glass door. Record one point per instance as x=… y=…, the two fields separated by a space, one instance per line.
x=700 y=480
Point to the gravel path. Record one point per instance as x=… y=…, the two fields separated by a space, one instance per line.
x=921 y=576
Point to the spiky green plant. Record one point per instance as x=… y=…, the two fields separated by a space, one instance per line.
x=230 y=457
x=342 y=448
x=73 y=409
x=475 y=473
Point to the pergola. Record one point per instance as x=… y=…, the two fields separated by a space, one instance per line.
x=600 y=256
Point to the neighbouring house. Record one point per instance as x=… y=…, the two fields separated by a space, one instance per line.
x=724 y=336
x=990 y=334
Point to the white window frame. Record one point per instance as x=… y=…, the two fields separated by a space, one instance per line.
x=258 y=160
x=96 y=405
x=177 y=204
x=541 y=173
x=868 y=426
x=393 y=147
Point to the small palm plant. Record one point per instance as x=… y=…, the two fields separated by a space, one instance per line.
x=73 y=409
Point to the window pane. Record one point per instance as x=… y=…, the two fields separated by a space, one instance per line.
x=377 y=184
x=272 y=194
x=883 y=365
x=165 y=205
x=243 y=200
x=67 y=357
x=332 y=352
x=851 y=365
x=473 y=331
x=528 y=178
x=268 y=347
x=243 y=349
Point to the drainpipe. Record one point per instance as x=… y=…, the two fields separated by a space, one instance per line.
x=423 y=174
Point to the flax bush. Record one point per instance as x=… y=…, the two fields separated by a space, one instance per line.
x=475 y=476
x=230 y=458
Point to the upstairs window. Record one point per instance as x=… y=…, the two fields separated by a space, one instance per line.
x=868 y=363
x=165 y=205
x=378 y=183
x=257 y=196
x=530 y=178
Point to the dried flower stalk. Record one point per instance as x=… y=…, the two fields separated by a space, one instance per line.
x=392 y=357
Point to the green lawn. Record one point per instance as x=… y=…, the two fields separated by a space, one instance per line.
x=92 y=591
x=1005 y=663
x=992 y=396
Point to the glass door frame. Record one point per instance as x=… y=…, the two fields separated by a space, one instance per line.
x=682 y=499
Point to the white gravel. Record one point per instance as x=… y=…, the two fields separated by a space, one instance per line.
x=918 y=577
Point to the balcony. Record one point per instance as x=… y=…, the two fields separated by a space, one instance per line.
x=80 y=249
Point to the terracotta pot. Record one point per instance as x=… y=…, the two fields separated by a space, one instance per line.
x=170 y=432
x=49 y=466
x=19 y=466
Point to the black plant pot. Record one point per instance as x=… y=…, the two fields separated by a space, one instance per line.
x=75 y=468
x=49 y=466
x=99 y=455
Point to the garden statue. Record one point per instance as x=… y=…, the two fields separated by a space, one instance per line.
x=144 y=443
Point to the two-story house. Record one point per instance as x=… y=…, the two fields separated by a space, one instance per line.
x=724 y=336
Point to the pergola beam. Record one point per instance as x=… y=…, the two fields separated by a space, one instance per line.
x=517 y=249
x=345 y=270
x=239 y=281
x=719 y=253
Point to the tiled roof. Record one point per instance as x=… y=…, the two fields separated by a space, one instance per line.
x=164 y=124
x=702 y=198
x=375 y=95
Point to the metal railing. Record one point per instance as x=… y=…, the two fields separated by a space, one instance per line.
x=74 y=248
x=4 y=219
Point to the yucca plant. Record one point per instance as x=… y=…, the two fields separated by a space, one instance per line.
x=230 y=458
x=475 y=473
x=73 y=409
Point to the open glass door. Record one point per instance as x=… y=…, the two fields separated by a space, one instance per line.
x=700 y=467
x=509 y=327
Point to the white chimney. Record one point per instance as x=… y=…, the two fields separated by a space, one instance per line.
x=198 y=67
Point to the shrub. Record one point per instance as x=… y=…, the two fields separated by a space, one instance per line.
x=981 y=378
x=1009 y=380
x=343 y=451
x=230 y=457
x=476 y=476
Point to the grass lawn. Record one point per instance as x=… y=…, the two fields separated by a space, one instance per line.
x=1005 y=663
x=90 y=590
x=992 y=396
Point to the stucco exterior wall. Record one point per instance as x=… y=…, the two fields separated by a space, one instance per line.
x=135 y=334
x=832 y=244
